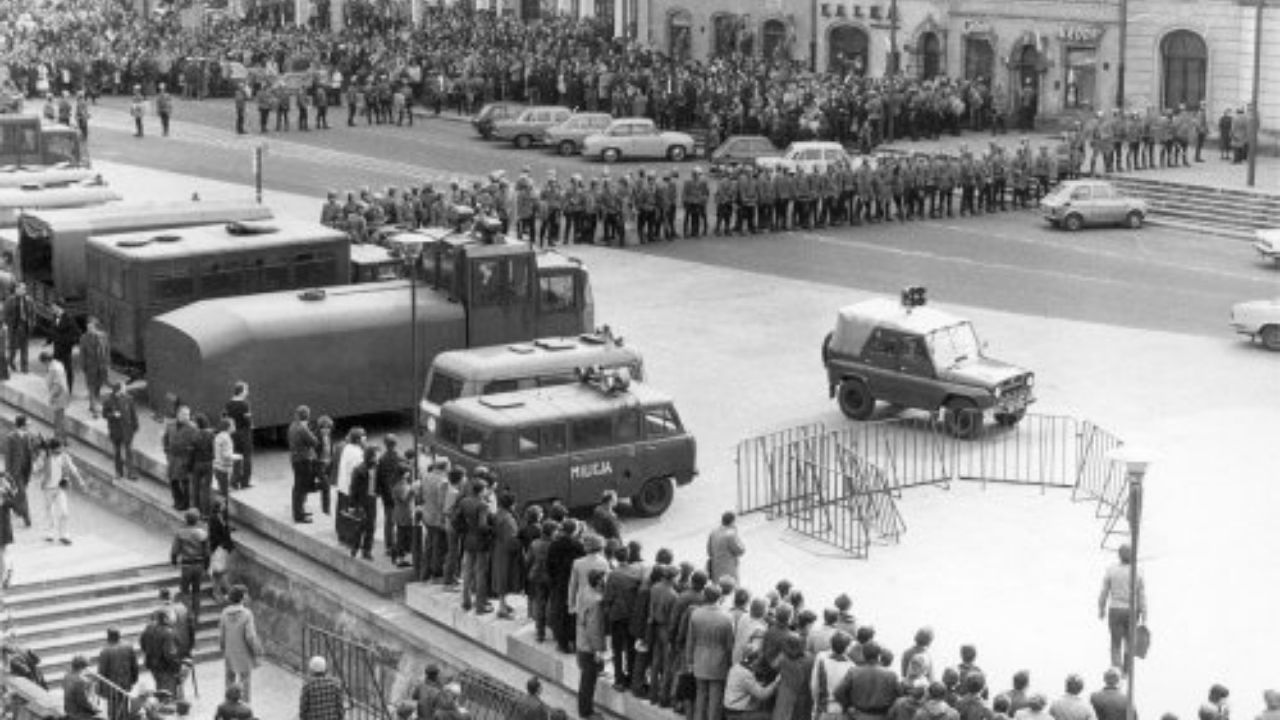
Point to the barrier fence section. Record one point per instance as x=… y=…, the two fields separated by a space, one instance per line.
x=838 y=486
x=487 y=698
x=356 y=668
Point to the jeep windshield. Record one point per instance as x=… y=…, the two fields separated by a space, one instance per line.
x=949 y=346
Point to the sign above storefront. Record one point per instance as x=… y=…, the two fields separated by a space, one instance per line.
x=1080 y=33
x=977 y=27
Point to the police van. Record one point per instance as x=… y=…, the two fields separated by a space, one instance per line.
x=521 y=366
x=573 y=442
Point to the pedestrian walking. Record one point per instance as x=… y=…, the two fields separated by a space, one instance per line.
x=76 y=703
x=137 y=108
x=118 y=665
x=239 y=410
x=190 y=554
x=8 y=503
x=121 y=414
x=238 y=639
x=724 y=548
x=322 y=697
x=164 y=108
x=220 y=546
x=1121 y=604
x=57 y=473
x=95 y=358
x=161 y=652
x=19 y=454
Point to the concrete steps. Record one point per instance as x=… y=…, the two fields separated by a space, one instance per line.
x=1211 y=210
x=62 y=618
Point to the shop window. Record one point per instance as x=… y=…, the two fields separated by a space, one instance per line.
x=1081 y=78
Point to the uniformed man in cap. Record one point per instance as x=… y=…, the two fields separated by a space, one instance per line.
x=696 y=194
x=766 y=190
x=784 y=192
x=1044 y=169
x=806 y=194
x=668 y=200
x=1019 y=177
x=747 y=199
x=726 y=195
x=1148 y=155
x=999 y=178
x=611 y=215
x=526 y=211
x=331 y=211
x=573 y=206
x=588 y=214
x=646 y=197
x=1132 y=141
x=948 y=176
x=549 y=204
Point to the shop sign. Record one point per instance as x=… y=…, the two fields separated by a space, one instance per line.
x=1080 y=33
x=977 y=27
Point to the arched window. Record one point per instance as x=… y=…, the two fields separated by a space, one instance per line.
x=930 y=56
x=847 y=50
x=1185 y=60
x=774 y=36
x=979 y=58
x=724 y=37
x=680 y=35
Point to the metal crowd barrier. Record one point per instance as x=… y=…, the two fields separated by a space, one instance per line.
x=838 y=486
x=356 y=668
x=487 y=698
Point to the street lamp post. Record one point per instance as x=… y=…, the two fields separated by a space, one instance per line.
x=893 y=37
x=1255 y=118
x=412 y=252
x=1135 y=468
x=813 y=37
x=1123 y=41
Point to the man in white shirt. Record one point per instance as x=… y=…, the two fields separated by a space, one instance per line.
x=745 y=697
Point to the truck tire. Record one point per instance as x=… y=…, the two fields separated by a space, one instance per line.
x=962 y=418
x=1270 y=336
x=856 y=400
x=654 y=498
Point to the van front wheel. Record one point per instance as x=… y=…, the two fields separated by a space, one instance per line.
x=654 y=498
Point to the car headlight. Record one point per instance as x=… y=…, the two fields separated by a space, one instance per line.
x=431 y=424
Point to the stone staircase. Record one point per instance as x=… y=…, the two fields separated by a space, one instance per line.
x=62 y=618
x=1215 y=211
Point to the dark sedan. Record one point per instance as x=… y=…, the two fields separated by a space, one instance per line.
x=741 y=150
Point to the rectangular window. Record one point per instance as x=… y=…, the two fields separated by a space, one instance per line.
x=660 y=422
x=275 y=277
x=500 y=386
x=1081 y=77
x=448 y=432
x=553 y=439
x=627 y=427
x=471 y=441
x=443 y=388
x=557 y=293
x=529 y=442
x=166 y=288
x=591 y=433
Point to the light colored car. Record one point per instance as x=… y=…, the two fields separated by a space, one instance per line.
x=529 y=126
x=809 y=155
x=1260 y=320
x=1268 y=244
x=1076 y=203
x=637 y=138
x=567 y=137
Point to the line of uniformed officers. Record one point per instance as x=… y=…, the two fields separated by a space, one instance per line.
x=741 y=200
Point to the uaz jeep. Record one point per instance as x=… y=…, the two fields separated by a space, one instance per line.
x=913 y=356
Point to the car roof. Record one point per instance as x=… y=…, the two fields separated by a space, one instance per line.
x=814 y=144
x=1085 y=183
x=632 y=121
x=550 y=404
x=496 y=361
x=854 y=323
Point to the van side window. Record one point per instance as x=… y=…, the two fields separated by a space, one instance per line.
x=627 y=428
x=499 y=446
x=557 y=293
x=500 y=386
x=591 y=432
x=660 y=421
x=529 y=441
x=448 y=432
x=563 y=378
x=470 y=441
x=553 y=440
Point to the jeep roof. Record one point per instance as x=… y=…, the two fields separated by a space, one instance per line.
x=561 y=402
x=854 y=323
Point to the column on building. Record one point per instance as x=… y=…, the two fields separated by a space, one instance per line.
x=337 y=14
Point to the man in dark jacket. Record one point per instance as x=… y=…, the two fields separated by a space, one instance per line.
x=75 y=692
x=161 y=654
x=118 y=663
x=19 y=455
x=364 y=499
x=477 y=541
x=390 y=466
x=620 y=589
x=302 y=458
x=122 y=424
x=64 y=335
x=179 y=443
x=564 y=549
x=868 y=690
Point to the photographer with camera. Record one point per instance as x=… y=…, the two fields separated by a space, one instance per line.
x=56 y=472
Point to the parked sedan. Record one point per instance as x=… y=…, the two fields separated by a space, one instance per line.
x=530 y=126
x=1260 y=320
x=1268 y=244
x=567 y=137
x=489 y=114
x=1076 y=203
x=637 y=138
x=740 y=150
x=809 y=155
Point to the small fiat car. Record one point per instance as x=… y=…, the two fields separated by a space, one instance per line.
x=1260 y=320
x=912 y=356
x=1077 y=203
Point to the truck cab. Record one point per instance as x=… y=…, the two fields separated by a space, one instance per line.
x=26 y=142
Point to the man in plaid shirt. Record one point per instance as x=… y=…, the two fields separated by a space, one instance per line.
x=322 y=697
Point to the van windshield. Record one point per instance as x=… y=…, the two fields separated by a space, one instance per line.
x=443 y=388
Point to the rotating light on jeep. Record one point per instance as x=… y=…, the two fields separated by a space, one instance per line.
x=913 y=296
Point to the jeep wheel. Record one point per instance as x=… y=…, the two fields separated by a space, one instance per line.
x=1073 y=222
x=567 y=147
x=962 y=419
x=654 y=497
x=610 y=155
x=856 y=400
x=676 y=153
x=1133 y=220
x=1010 y=419
x=523 y=141
x=1270 y=337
